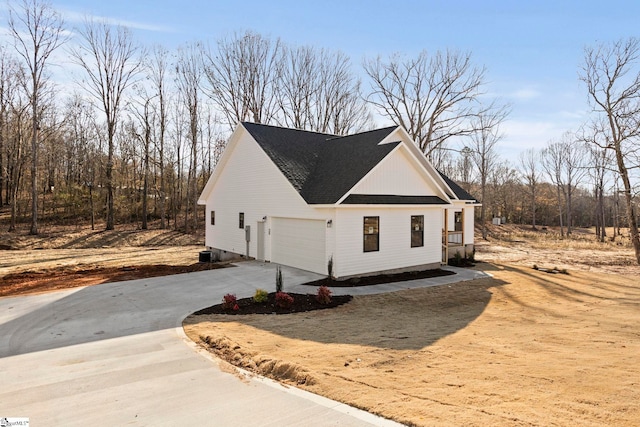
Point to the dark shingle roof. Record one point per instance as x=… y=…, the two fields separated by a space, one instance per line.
x=391 y=199
x=460 y=192
x=343 y=162
x=294 y=152
x=324 y=167
x=321 y=167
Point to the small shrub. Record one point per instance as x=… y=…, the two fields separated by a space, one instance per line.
x=260 y=296
x=279 y=282
x=324 y=295
x=330 y=268
x=229 y=301
x=456 y=260
x=284 y=300
x=472 y=256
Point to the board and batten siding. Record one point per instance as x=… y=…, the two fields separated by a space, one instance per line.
x=251 y=183
x=396 y=174
x=394 y=239
x=469 y=225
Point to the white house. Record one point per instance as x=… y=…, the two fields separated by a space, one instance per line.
x=370 y=202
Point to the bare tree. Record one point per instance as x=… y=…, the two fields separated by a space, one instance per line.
x=464 y=168
x=564 y=162
x=483 y=150
x=10 y=81
x=530 y=172
x=341 y=106
x=298 y=87
x=433 y=97
x=613 y=84
x=188 y=76
x=241 y=75
x=552 y=158
x=317 y=91
x=16 y=160
x=600 y=161
x=37 y=30
x=158 y=75
x=503 y=190
x=111 y=61
x=142 y=110
x=574 y=169
x=594 y=136
x=81 y=133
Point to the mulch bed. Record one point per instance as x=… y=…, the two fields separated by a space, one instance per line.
x=308 y=302
x=301 y=303
x=380 y=279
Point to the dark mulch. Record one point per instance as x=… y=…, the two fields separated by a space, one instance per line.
x=380 y=279
x=301 y=303
x=307 y=302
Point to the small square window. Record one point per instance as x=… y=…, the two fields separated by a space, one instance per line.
x=213 y=217
x=241 y=220
x=371 y=233
x=417 y=231
x=457 y=219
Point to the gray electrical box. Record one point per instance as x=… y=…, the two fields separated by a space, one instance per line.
x=247 y=232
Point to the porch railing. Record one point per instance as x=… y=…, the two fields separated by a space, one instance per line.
x=454 y=238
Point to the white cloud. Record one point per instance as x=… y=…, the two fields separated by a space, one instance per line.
x=524 y=94
x=79 y=18
x=522 y=134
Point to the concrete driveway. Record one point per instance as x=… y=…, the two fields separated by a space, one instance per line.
x=115 y=354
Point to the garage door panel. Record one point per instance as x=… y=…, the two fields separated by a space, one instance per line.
x=299 y=243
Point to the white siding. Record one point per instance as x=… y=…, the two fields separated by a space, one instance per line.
x=252 y=184
x=299 y=243
x=396 y=174
x=451 y=218
x=395 y=240
x=468 y=225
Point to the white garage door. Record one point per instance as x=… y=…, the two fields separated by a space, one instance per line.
x=299 y=243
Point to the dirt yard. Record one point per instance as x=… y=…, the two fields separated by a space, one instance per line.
x=522 y=348
x=66 y=257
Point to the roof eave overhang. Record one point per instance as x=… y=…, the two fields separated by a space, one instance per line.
x=392 y=206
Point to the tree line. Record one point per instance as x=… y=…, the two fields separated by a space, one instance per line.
x=138 y=133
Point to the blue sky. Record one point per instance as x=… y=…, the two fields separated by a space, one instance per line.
x=531 y=49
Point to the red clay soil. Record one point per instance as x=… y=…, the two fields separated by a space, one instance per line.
x=30 y=282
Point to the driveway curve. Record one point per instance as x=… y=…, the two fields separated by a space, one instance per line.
x=115 y=354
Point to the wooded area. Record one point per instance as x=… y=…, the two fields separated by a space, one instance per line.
x=137 y=135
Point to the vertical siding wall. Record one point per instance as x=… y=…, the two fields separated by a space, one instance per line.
x=252 y=184
x=469 y=228
x=395 y=240
x=397 y=174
